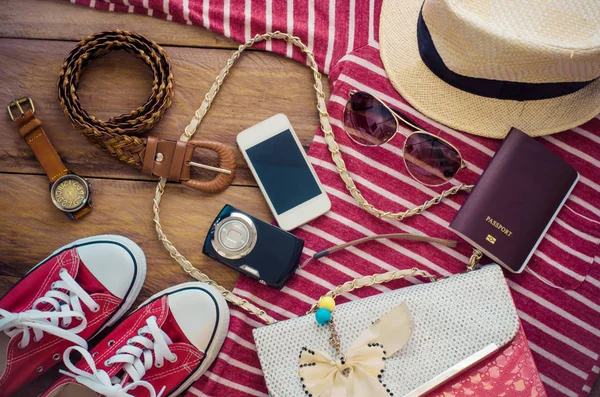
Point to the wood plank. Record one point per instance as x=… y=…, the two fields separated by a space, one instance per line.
x=60 y=20
x=33 y=227
x=6 y=283
x=260 y=85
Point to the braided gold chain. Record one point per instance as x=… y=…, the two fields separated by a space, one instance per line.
x=191 y=128
x=335 y=340
x=368 y=281
x=474 y=259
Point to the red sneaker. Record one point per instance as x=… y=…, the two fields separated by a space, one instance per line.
x=65 y=300
x=158 y=351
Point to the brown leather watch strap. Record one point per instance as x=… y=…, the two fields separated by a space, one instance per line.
x=30 y=129
x=81 y=212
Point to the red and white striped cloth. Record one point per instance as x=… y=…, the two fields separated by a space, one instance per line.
x=563 y=326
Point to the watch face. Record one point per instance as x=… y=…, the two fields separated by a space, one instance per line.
x=70 y=193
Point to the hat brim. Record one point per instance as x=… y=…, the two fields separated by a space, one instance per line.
x=458 y=109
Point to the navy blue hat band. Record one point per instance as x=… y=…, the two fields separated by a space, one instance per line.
x=486 y=87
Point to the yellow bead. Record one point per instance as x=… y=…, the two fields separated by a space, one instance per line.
x=327 y=302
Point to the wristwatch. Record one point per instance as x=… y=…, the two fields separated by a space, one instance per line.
x=69 y=192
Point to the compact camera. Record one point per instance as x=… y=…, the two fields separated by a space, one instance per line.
x=253 y=247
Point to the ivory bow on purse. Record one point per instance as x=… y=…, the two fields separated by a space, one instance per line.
x=359 y=372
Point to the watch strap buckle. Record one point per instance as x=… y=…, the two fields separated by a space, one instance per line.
x=16 y=103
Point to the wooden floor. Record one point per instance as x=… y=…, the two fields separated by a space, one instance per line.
x=35 y=36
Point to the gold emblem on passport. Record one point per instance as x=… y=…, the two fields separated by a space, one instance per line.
x=490 y=239
x=69 y=193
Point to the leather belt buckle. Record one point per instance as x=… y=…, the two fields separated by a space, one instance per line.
x=16 y=103
x=225 y=171
x=173 y=160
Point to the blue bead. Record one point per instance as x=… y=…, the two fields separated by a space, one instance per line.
x=323 y=316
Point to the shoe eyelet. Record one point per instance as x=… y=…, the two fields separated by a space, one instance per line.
x=107 y=363
x=53 y=286
x=157 y=365
x=96 y=309
x=20 y=346
x=62 y=271
x=56 y=357
x=94 y=354
x=174 y=360
x=110 y=343
x=39 y=369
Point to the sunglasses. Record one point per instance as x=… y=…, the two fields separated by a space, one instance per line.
x=428 y=158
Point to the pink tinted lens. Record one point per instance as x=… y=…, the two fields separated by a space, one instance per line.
x=367 y=121
x=430 y=160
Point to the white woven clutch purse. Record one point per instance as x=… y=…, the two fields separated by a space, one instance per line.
x=456 y=320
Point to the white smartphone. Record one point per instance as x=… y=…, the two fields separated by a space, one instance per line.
x=283 y=173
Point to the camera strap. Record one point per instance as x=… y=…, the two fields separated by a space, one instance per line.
x=336 y=155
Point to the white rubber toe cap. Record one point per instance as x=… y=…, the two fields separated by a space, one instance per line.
x=115 y=261
x=201 y=313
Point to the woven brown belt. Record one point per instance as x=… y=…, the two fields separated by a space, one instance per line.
x=156 y=157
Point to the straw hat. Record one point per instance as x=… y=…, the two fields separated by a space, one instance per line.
x=484 y=66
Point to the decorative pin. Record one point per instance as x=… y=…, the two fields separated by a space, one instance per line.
x=323 y=314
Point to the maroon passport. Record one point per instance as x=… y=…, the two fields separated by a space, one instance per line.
x=515 y=201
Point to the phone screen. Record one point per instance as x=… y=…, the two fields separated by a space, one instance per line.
x=283 y=171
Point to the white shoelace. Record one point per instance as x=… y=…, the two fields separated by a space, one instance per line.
x=66 y=306
x=138 y=360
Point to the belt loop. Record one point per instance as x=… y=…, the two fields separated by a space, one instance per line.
x=31 y=125
x=178 y=161
x=149 y=155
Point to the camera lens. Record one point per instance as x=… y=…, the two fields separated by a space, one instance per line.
x=235 y=236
